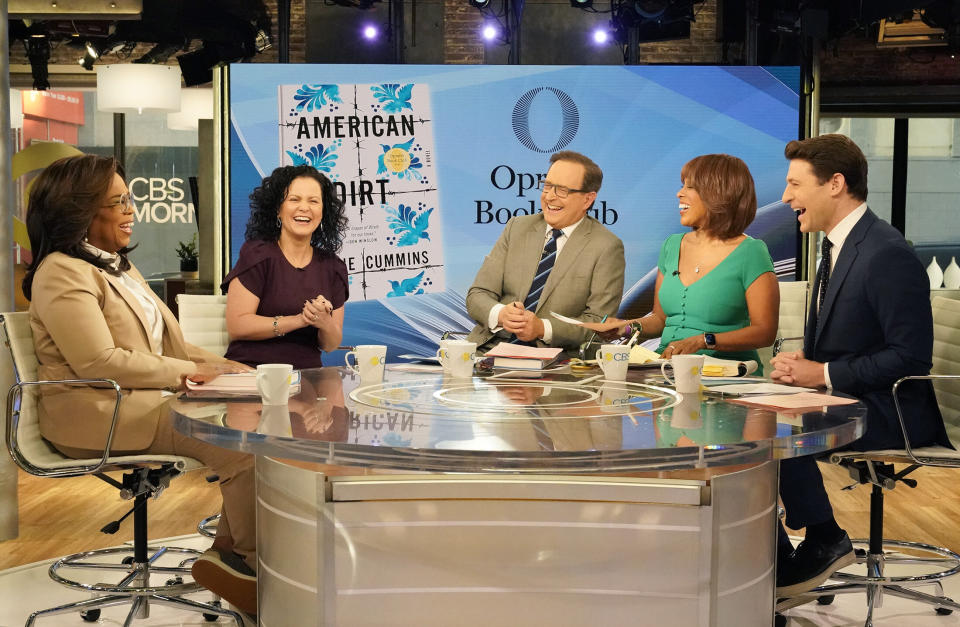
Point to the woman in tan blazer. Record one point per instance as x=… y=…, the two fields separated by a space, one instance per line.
x=93 y=316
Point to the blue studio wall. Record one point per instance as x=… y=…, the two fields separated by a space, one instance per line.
x=432 y=160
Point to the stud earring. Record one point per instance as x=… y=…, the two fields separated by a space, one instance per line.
x=279 y=224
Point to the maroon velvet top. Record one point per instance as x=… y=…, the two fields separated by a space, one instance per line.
x=282 y=290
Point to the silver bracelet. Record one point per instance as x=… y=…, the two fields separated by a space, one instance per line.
x=276 y=327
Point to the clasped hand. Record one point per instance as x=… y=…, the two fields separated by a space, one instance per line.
x=317 y=312
x=792 y=368
x=521 y=322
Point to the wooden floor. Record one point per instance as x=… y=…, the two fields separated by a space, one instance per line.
x=61 y=516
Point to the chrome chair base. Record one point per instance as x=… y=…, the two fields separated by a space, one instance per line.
x=134 y=588
x=208 y=526
x=875 y=583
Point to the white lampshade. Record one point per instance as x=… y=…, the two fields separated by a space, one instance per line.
x=138 y=87
x=16 y=109
x=195 y=105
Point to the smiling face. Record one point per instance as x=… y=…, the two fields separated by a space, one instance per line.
x=814 y=202
x=693 y=212
x=112 y=226
x=562 y=212
x=302 y=208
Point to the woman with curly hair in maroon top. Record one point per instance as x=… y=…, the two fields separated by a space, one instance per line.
x=286 y=293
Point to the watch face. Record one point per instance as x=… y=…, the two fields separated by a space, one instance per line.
x=710 y=340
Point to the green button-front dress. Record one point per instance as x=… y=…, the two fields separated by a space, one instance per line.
x=717 y=301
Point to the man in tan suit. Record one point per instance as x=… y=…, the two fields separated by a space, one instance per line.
x=559 y=260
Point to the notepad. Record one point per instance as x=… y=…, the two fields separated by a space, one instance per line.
x=797 y=401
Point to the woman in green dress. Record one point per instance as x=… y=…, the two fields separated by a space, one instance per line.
x=716 y=293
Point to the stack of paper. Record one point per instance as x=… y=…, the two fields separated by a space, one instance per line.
x=237 y=384
x=716 y=367
x=641 y=355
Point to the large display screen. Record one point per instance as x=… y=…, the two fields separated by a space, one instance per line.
x=431 y=162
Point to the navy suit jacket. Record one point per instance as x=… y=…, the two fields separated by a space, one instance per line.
x=874 y=327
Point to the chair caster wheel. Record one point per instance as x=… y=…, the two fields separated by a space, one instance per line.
x=127 y=560
x=826 y=599
x=176 y=581
x=944 y=611
x=212 y=617
x=779 y=620
x=90 y=616
x=860 y=553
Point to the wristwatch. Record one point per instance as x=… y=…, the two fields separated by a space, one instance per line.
x=710 y=340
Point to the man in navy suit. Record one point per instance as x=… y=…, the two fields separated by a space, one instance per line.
x=870 y=324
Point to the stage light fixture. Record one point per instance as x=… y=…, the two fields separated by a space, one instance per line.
x=581 y=4
x=90 y=56
x=480 y=4
x=370 y=32
x=600 y=36
x=38 y=51
x=489 y=32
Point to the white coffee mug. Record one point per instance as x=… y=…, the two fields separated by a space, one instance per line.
x=442 y=350
x=273 y=383
x=686 y=372
x=369 y=359
x=457 y=358
x=613 y=359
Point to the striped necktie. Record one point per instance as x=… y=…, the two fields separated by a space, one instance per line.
x=547 y=259
x=823 y=273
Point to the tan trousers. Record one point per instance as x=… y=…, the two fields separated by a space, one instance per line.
x=237 y=529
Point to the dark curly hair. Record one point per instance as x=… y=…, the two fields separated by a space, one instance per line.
x=266 y=199
x=64 y=200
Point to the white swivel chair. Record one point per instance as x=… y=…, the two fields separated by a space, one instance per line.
x=146 y=476
x=792 y=318
x=203 y=320
x=878 y=469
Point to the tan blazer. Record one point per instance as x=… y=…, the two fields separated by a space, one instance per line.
x=586 y=282
x=86 y=325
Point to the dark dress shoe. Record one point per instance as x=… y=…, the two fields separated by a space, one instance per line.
x=811 y=564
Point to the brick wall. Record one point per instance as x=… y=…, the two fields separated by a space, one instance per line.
x=855 y=60
x=461 y=25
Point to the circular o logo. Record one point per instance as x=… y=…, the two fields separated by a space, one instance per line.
x=570 y=123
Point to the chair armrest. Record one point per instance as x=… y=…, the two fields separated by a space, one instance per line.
x=14 y=395
x=896 y=403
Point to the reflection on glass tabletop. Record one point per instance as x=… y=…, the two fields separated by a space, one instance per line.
x=506 y=399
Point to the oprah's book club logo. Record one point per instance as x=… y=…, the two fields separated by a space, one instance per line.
x=375 y=143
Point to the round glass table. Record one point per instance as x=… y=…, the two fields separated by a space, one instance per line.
x=566 y=499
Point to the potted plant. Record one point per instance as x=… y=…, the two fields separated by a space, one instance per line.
x=187 y=251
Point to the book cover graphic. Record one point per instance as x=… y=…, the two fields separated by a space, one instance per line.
x=375 y=143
